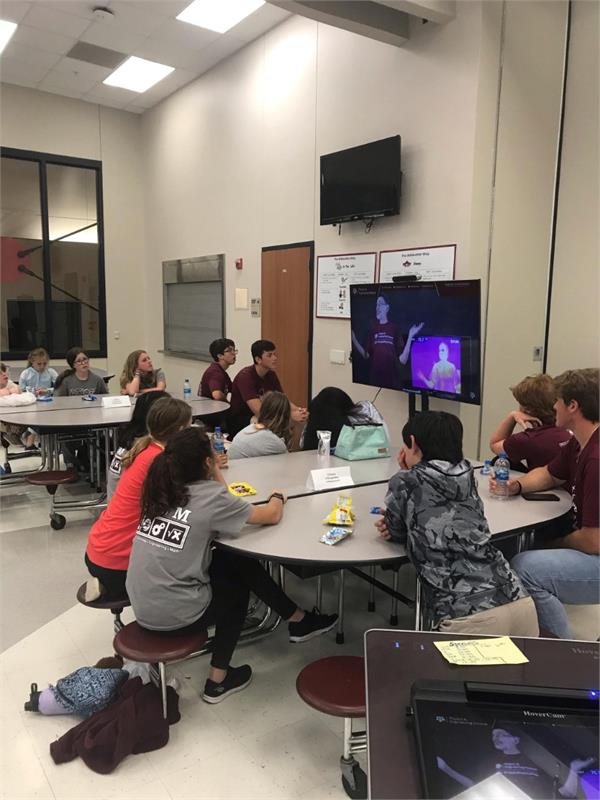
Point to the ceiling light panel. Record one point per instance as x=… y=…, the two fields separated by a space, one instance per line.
x=138 y=74
x=6 y=31
x=217 y=15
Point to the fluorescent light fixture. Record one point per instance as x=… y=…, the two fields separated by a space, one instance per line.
x=6 y=31
x=218 y=15
x=138 y=74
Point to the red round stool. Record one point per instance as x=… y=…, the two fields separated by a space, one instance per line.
x=336 y=686
x=52 y=479
x=154 y=648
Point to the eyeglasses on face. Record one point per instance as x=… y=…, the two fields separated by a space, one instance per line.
x=81 y=361
x=230 y=350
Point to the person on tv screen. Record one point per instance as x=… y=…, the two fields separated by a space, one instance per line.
x=444 y=375
x=521 y=770
x=385 y=348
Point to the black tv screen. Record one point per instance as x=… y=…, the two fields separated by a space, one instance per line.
x=421 y=336
x=361 y=182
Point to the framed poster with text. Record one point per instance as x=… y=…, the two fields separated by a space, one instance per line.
x=335 y=275
x=435 y=263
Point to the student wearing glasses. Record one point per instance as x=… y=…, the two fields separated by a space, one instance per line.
x=216 y=383
x=78 y=379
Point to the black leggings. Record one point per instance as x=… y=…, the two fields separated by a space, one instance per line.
x=232 y=578
x=113 y=580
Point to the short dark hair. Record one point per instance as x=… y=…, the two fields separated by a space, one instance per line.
x=218 y=347
x=438 y=435
x=580 y=385
x=261 y=346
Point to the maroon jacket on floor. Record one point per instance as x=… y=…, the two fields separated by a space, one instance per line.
x=132 y=724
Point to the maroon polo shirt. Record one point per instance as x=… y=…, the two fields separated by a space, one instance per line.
x=536 y=446
x=579 y=469
x=214 y=379
x=248 y=385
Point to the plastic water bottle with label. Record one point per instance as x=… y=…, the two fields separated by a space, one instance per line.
x=187 y=391
x=502 y=474
x=218 y=442
x=487 y=467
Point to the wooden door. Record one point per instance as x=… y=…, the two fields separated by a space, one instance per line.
x=286 y=292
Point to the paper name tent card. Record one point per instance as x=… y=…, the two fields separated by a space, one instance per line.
x=322 y=479
x=115 y=400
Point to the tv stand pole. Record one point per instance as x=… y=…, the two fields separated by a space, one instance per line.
x=412 y=403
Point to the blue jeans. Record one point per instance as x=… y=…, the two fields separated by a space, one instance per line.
x=554 y=577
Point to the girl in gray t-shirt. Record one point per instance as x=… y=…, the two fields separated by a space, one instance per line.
x=270 y=434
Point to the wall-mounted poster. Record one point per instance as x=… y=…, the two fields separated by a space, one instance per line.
x=335 y=275
x=435 y=263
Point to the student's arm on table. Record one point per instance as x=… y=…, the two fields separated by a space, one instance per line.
x=269 y=513
x=219 y=395
x=538 y=480
x=506 y=427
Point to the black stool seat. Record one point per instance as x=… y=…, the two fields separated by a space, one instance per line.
x=335 y=686
x=109 y=605
x=52 y=477
x=137 y=644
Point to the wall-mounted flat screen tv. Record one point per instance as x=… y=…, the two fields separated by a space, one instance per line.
x=421 y=336
x=361 y=182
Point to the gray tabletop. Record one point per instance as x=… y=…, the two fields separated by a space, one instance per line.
x=296 y=537
x=69 y=412
x=289 y=472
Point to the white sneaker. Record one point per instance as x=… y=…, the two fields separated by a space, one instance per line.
x=93 y=590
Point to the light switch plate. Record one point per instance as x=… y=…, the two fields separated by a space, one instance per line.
x=337 y=356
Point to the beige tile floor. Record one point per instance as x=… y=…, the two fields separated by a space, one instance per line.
x=262 y=743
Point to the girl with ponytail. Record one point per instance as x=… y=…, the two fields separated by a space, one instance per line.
x=109 y=542
x=183 y=584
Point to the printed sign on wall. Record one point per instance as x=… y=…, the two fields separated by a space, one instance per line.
x=435 y=263
x=335 y=275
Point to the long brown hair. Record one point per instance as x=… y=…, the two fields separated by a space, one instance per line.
x=166 y=417
x=275 y=415
x=183 y=461
x=130 y=366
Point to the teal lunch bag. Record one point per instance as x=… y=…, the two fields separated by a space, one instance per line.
x=361 y=441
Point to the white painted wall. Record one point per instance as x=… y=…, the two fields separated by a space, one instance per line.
x=48 y=123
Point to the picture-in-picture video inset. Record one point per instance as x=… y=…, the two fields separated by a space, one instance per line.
x=419 y=337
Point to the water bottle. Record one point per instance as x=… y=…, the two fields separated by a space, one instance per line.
x=218 y=441
x=324 y=443
x=187 y=391
x=502 y=474
x=487 y=467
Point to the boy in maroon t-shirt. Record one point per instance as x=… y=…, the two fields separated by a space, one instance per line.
x=541 y=439
x=570 y=572
x=385 y=349
x=251 y=383
x=216 y=383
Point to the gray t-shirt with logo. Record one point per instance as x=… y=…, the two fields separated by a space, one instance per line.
x=167 y=580
x=72 y=386
x=252 y=441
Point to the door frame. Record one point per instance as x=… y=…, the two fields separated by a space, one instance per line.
x=311 y=281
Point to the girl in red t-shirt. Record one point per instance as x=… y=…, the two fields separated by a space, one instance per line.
x=110 y=538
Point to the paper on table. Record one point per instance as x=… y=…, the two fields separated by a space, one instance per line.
x=481 y=652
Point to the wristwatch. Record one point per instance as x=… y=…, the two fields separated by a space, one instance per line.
x=278 y=495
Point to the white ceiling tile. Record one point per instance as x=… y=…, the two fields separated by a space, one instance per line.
x=263 y=19
x=19 y=80
x=112 y=37
x=74 y=82
x=168 y=52
x=80 y=8
x=166 y=87
x=134 y=109
x=43 y=40
x=55 y=21
x=165 y=8
x=12 y=68
x=226 y=46
x=73 y=65
x=134 y=17
x=29 y=54
x=111 y=102
x=14 y=10
x=113 y=94
x=185 y=34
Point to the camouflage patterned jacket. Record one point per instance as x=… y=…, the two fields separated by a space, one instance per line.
x=434 y=509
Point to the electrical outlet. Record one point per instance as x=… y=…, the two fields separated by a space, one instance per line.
x=538 y=353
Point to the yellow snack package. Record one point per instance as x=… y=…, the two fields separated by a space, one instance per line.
x=241 y=489
x=341 y=513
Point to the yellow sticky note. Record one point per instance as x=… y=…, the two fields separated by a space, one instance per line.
x=481 y=652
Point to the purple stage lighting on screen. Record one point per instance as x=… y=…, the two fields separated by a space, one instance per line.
x=435 y=363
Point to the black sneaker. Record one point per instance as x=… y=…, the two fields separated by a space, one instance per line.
x=313 y=624
x=237 y=678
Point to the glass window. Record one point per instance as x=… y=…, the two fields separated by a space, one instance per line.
x=52 y=272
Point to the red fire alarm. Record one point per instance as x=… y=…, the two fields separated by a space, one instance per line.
x=239 y=263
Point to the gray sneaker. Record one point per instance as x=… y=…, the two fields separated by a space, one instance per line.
x=237 y=678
